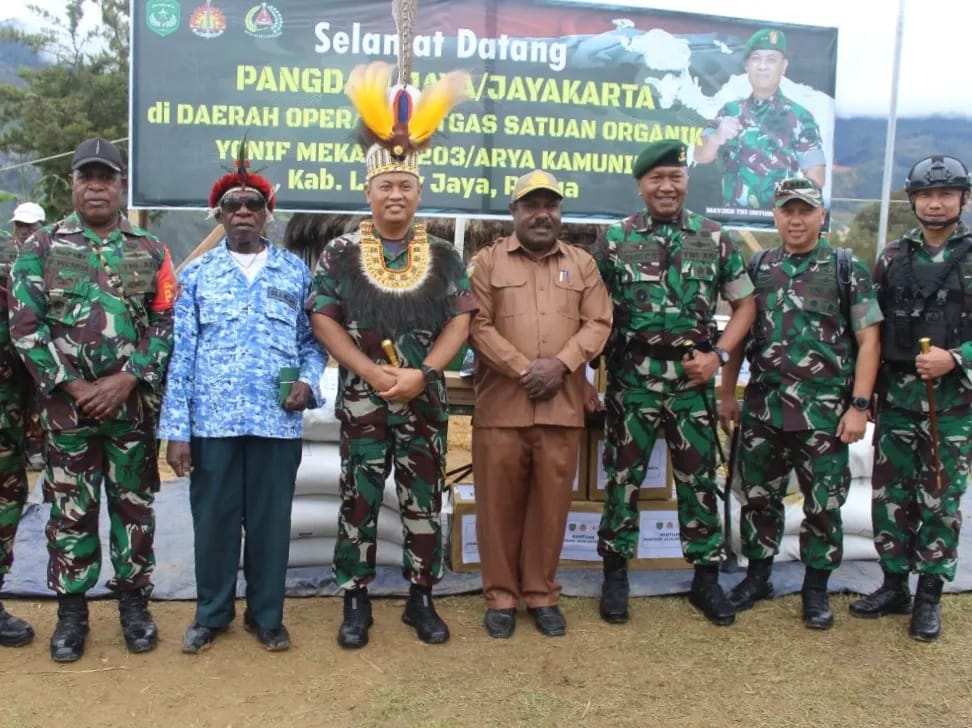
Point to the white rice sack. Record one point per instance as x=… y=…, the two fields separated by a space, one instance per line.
x=320 y=424
x=320 y=551
x=316 y=516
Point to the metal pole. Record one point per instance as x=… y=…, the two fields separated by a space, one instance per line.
x=889 y=143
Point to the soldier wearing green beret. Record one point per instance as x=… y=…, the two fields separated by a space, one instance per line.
x=765 y=138
x=664 y=268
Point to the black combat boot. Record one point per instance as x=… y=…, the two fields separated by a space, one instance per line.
x=67 y=642
x=708 y=597
x=14 y=632
x=816 y=602
x=754 y=587
x=420 y=613
x=926 y=619
x=614 y=590
x=892 y=597
x=138 y=627
x=353 y=632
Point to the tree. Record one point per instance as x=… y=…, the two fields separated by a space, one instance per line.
x=862 y=235
x=83 y=93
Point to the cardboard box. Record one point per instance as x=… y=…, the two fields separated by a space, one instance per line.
x=658 y=547
x=463 y=548
x=659 y=483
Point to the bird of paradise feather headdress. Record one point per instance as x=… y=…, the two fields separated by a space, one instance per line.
x=240 y=177
x=399 y=121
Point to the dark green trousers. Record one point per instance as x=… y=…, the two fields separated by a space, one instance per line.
x=242 y=483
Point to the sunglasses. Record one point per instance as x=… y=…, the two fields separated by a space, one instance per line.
x=232 y=203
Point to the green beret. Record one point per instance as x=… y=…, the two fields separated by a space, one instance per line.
x=668 y=153
x=766 y=39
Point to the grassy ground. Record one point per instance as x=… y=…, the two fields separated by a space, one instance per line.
x=668 y=666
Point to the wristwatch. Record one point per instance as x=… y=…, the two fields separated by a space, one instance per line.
x=430 y=374
x=861 y=403
x=722 y=354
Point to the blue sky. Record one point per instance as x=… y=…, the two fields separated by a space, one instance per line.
x=935 y=56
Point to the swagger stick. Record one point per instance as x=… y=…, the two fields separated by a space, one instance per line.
x=925 y=344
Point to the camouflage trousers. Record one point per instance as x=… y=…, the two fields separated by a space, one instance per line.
x=122 y=455
x=13 y=491
x=368 y=453
x=767 y=456
x=916 y=529
x=632 y=419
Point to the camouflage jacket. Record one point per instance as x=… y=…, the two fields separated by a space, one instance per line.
x=906 y=390
x=664 y=279
x=802 y=350
x=14 y=380
x=778 y=139
x=69 y=317
x=331 y=293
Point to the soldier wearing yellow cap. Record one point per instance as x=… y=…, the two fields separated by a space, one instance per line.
x=664 y=268
x=765 y=138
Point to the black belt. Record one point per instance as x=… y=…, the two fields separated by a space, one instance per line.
x=901 y=367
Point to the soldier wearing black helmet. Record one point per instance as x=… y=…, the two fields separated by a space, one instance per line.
x=924 y=283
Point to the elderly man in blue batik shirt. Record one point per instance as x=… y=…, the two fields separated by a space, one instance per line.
x=244 y=366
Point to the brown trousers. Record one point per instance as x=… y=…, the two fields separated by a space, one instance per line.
x=523 y=478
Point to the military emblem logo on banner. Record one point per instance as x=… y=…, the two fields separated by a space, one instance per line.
x=263 y=21
x=162 y=16
x=207 y=21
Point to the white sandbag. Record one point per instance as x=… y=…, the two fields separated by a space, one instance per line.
x=320 y=424
x=320 y=551
x=320 y=469
x=861 y=455
x=855 y=513
x=316 y=516
x=856 y=548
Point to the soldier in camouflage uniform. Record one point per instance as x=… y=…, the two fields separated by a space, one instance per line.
x=14 y=387
x=91 y=315
x=766 y=137
x=391 y=280
x=924 y=283
x=808 y=396
x=664 y=269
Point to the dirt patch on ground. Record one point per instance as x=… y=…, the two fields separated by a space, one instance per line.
x=668 y=666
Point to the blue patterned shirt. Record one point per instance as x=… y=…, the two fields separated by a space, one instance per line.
x=232 y=338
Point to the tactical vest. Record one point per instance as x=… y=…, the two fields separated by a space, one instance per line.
x=926 y=300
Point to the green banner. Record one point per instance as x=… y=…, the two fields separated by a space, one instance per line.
x=575 y=89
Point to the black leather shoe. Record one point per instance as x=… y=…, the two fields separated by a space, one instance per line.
x=420 y=613
x=138 y=627
x=14 y=632
x=707 y=596
x=754 y=587
x=549 y=620
x=276 y=639
x=614 y=591
x=926 y=619
x=198 y=638
x=67 y=642
x=892 y=597
x=500 y=623
x=353 y=632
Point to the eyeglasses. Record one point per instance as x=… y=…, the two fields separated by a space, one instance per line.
x=232 y=203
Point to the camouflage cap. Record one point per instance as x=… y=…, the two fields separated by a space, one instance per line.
x=765 y=39
x=667 y=153
x=533 y=181
x=798 y=188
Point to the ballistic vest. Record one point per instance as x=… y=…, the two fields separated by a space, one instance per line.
x=925 y=300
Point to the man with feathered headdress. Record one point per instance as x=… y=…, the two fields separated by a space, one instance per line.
x=244 y=366
x=392 y=305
